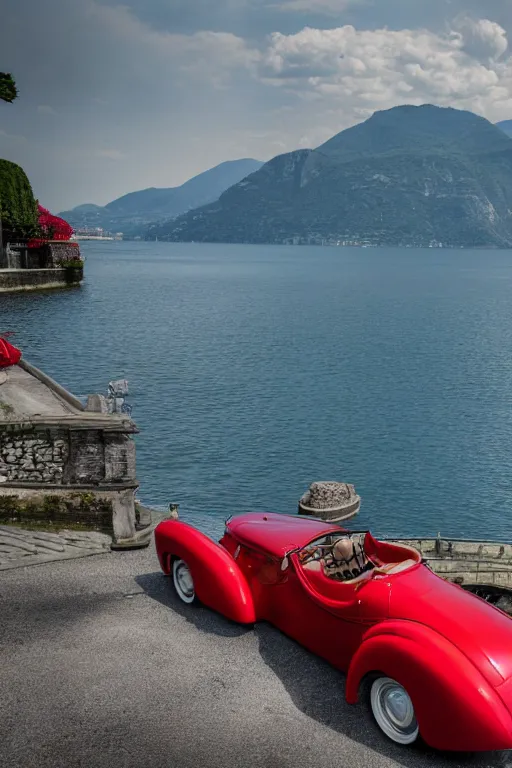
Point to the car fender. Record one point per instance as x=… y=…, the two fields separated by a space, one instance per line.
x=457 y=709
x=218 y=581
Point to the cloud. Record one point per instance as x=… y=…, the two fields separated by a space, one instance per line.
x=189 y=16
x=208 y=54
x=163 y=90
x=129 y=56
x=148 y=93
x=365 y=70
x=482 y=39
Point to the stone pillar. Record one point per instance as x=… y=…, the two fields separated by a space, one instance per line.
x=123 y=516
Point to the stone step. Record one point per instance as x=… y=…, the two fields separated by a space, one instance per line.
x=18 y=542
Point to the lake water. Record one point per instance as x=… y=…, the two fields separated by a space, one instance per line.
x=256 y=370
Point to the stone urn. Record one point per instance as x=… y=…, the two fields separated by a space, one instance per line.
x=330 y=501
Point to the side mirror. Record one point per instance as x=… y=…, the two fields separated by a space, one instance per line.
x=285 y=564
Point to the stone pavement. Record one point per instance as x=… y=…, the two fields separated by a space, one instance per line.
x=19 y=547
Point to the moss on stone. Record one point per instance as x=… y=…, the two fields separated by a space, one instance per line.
x=38 y=525
x=86 y=510
x=6 y=409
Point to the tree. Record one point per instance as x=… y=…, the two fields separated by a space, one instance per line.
x=8 y=90
x=18 y=207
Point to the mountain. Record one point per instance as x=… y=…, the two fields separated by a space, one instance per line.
x=132 y=213
x=506 y=126
x=407 y=176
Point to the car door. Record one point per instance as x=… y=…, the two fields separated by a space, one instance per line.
x=263 y=573
x=329 y=625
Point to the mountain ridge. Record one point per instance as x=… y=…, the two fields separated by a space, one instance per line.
x=142 y=207
x=406 y=176
x=505 y=126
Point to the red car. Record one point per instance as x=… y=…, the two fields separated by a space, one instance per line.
x=432 y=659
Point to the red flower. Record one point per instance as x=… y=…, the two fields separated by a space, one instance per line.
x=52 y=228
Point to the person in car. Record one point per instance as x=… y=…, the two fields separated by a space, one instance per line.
x=348 y=560
x=343 y=560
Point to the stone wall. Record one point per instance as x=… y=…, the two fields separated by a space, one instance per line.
x=467 y=562
x=15 y=280
x=61 y=464
x=67 y=457
x=48 y=255
x=119 y=458
x=85 y=510
x=20 y=256
x=110 y=511
x=57 y=251
x=33 y=459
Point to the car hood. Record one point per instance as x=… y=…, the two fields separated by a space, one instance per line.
x=479 y=630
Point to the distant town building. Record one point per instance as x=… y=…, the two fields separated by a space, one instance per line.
x=94 y=233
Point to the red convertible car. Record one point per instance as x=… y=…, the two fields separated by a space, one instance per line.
x=433 y=660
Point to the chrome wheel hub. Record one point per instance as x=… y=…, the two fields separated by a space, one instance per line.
x=183 y=581
x=393 y=710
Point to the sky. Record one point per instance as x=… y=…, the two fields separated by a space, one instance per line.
x=148 y=93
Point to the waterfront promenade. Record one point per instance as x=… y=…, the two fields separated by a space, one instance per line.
x=101 y=667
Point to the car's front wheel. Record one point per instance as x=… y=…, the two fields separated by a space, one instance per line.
x=393 y=710
x=183 y=581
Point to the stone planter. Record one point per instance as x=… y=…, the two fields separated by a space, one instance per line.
x=330 y=501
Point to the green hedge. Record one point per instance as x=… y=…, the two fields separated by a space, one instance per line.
x=18 y=208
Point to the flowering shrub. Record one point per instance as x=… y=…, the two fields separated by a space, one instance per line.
x=50 y=228
x=53 y=227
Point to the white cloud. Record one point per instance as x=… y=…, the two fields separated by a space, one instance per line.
x=482 y=39
x=161 y=106
x=365 y=70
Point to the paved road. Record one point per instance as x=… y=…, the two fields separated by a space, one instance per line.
x=100 y=667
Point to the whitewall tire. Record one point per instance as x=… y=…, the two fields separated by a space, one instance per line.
x=393 y=710
x=183 y=581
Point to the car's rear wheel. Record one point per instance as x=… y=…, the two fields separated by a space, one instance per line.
x=183 y=581
x=393 y=710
